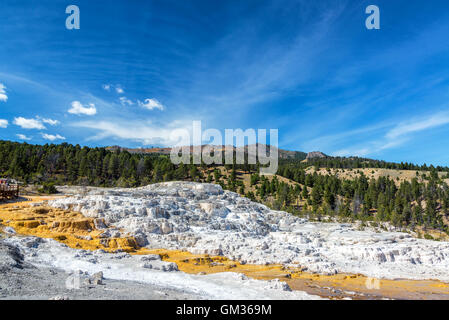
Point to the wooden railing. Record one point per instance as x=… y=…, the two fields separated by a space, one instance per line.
x=9 y=191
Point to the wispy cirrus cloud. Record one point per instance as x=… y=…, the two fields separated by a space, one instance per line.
x=125 y=101
x=144 y=132
x=393 y=135
x=417 y=125
x=257 y=70
x=51 y=122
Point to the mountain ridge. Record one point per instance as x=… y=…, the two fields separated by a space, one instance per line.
x=283 y=154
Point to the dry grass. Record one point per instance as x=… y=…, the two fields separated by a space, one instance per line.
x=374 y=173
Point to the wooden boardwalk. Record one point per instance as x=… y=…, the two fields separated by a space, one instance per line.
x=8 y=192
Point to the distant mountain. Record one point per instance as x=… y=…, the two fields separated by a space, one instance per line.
x=283 y=154
x=140 y=150
x=316 y=155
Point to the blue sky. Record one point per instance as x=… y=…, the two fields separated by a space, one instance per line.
x=136 y=70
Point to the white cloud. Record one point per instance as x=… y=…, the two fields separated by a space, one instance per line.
x=28 y=123
x=23 y=137
x=119 y=89
x=52 y=137
x=151 y=104
x=3 y=123
x=51 y=122
x=125 y=101
x=418 y=125
x=139 y=131
x=351 y=152
x=3 y=96
x=78 y=108
x=369 y=148
x=396 y=136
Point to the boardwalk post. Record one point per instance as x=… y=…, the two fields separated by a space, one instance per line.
x=8 y=192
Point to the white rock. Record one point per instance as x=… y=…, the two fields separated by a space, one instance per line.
x=202 y=218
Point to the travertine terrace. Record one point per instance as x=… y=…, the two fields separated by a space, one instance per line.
x=202 y=218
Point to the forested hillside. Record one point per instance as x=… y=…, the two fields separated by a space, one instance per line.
x=420 y=201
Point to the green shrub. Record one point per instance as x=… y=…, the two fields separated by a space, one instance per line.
x=428 y=237
x=48 y=188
